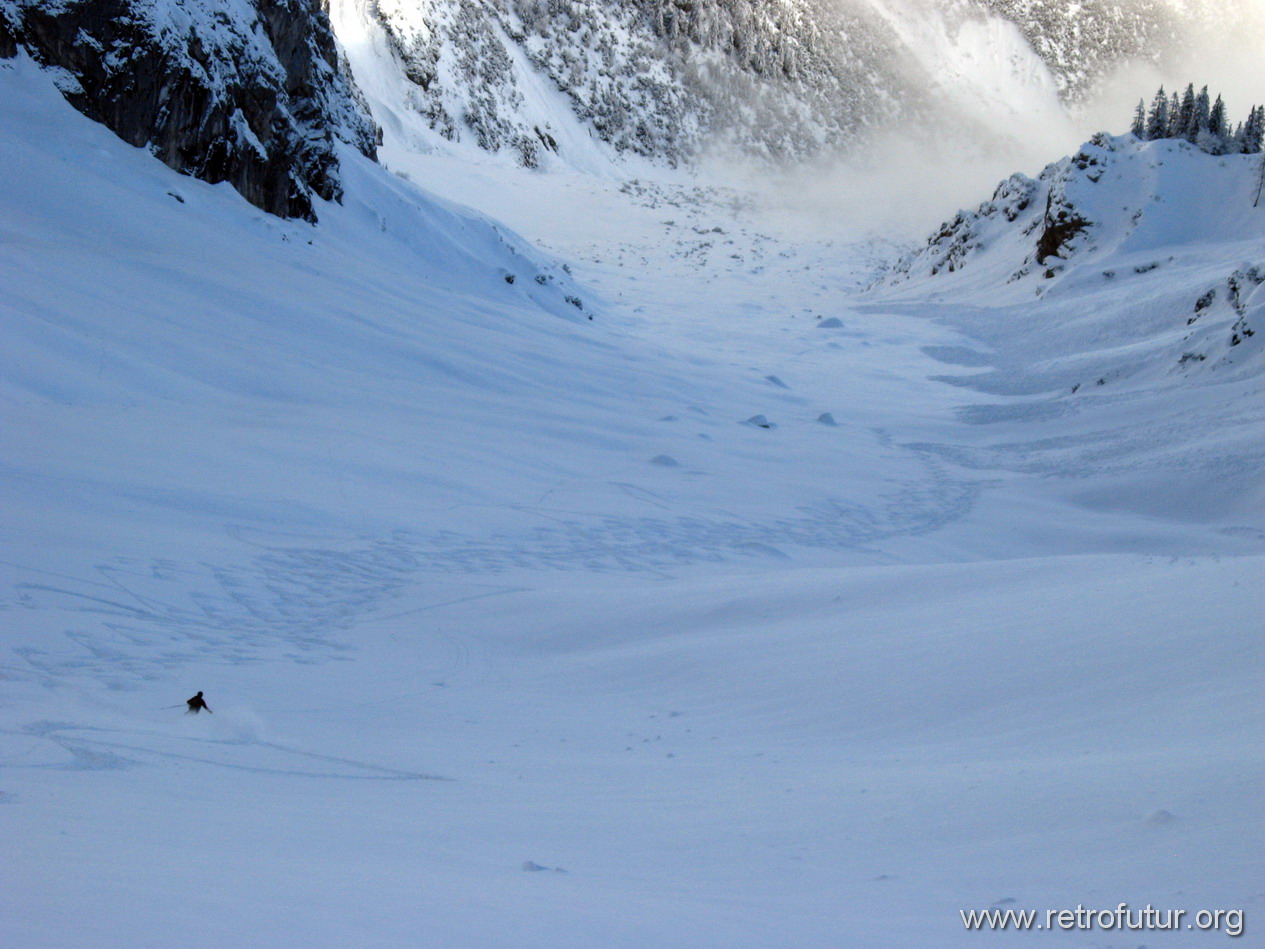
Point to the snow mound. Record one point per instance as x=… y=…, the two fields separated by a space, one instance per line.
x=1119 y=206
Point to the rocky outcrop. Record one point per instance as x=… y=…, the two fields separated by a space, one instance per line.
x=252 y=94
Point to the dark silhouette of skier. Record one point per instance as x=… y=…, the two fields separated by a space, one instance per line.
x=197 y=704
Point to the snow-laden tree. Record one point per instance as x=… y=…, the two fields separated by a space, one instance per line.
x=1203 y=115
x=1252 y=131
x=1082 y=41
x=1175 y=128
x=1205 y=125
x=1216 y=119
x=1157 y=119
x=1213 y=137
x=1184 y=122
x=1138 y=128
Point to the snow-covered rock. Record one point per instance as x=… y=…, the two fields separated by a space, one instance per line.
x=1114 y=309
x=1108 y=206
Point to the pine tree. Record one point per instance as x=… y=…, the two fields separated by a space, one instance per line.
x=1254 y=130
x=1214 y=139
x=1248 y=135
x=1216 y=119
x=1174 y=129
x=1203 y=123
x=1138 y=129
x=1157 y=120
x=1185 y=125
x=1200 y=118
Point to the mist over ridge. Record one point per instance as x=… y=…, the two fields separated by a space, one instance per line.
x=830 y=102
x=999 y=86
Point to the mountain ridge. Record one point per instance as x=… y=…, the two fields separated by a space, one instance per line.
x=256 y=93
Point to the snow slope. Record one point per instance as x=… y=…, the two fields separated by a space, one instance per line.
x=1135 y=348
x=722 y=618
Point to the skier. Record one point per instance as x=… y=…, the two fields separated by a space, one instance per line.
x=197 y=704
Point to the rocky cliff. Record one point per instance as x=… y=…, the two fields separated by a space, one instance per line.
x=251 y=93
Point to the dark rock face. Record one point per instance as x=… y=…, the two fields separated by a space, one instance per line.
x=1058 y=229
x=250 y=94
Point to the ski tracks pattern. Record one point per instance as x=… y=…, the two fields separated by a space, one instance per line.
x=296 y=598
x=137 y=619
x=91 y=748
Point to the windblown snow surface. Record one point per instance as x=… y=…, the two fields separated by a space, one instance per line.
x=758 y=610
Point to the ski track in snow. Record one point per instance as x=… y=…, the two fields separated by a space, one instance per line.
x=93 y=748
x=143 y=618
